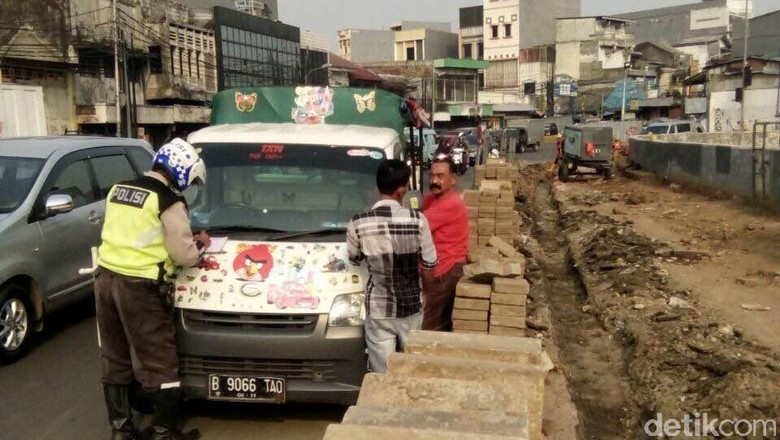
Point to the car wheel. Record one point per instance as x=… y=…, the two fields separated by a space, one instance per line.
x=15 y=322
x=563 y=171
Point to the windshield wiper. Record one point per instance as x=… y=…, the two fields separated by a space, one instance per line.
x=240 y=228
x=305 y=233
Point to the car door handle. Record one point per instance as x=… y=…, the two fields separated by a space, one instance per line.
x=94 y=218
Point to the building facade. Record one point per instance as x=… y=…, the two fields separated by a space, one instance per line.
x=424 y=45
x=702 y=30
x=471 y=33
x=253 y=51
x=764 y=38
x=511 y=26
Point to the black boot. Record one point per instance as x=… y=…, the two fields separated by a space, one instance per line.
x=119 y=412
x=167 y=405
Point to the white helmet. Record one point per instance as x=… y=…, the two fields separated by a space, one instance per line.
x=181 y=160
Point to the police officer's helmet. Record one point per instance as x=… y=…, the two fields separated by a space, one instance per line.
x=182 y=162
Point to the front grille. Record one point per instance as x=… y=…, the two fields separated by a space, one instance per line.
x=317 y=371
x=297 y=324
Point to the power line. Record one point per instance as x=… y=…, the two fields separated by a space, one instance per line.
x=67 y=17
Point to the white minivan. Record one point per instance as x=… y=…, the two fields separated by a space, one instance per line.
x=274 y=312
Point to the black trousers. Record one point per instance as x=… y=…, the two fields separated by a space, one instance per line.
x=136 y=332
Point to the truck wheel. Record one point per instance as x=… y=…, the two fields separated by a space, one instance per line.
x=536 y=146
x=563 y=172
x=16 y=321
x=608 y=173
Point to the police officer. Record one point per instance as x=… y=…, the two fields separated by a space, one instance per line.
x=146 y=234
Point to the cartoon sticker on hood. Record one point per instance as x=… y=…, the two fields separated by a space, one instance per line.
x=270 y=278
x=253 y=263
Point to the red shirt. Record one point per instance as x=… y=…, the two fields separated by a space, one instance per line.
x=448 y=219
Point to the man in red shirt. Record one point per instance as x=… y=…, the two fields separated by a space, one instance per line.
x=448 y=219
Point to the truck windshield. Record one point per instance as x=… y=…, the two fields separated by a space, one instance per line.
x=284 y=188
x=17 y=176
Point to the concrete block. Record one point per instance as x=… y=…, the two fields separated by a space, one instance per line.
x=526 y=381
x=500 y=349
x=512 y=286
x=490 y=172
x=507 y=321
x=508 y=310
x=473 y=212
x=418 y=390
x=484 y=271
x=506 y=226
x=505 y=248
x=469 y=332
x=471 y=197
x=475 y=326
x=465 y=289
x=492 y=193
x=496 y=185
x=506 y=331
x=508 y=299
x=476 y=254
x=486 y=211
x=502 y=202
x=472 y=304
x=507 y=195
x=358 y=432
x=477 y=422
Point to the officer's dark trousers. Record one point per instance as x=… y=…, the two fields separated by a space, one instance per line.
x=136 y=331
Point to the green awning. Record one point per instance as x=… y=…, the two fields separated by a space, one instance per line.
x=454 y=63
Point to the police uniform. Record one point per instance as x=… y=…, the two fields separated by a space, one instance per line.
x=146 y=234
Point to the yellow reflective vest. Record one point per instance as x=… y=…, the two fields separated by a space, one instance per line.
x=132 y=237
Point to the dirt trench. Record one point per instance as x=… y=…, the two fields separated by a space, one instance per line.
x=630 y=345
x=590 y=359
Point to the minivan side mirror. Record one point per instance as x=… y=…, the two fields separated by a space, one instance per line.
x=59 y=204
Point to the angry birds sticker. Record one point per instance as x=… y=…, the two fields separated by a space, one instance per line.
x=254 y=263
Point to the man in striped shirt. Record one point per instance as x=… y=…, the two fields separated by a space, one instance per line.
x=394 y=242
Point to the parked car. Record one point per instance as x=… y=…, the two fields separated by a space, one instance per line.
x=52 y=204
x=671 y=127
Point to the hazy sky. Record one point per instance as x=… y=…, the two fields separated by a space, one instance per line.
x=327 y=16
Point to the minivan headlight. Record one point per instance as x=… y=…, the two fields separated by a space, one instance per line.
x=347 y=310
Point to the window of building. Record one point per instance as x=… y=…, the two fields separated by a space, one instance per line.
x=467 y=51
x=493 y=31
x=155 y=59
x=480 y=51
x=410 y=54
x=529 y=88
x=507 y=31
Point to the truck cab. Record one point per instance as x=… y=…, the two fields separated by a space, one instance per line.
x=274 y=312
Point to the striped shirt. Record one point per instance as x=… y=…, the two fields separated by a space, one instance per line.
x=394 y=241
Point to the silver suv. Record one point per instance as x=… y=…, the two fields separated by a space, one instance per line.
x=52 y=202
x=672 y=127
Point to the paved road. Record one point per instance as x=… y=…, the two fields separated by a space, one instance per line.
x=54 y=394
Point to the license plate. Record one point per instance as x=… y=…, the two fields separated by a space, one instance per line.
x=247 y=388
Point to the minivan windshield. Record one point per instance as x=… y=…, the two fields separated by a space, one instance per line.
x=284 y=188
x=17 y=176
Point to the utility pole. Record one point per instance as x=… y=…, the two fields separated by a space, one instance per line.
x=744 y=73
x=626 y=64
x=116 y=69
x=126 y=85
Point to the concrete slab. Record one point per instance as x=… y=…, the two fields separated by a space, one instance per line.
x=358 y=432
x=478 y=422
x=380 y=390
x=524 y=381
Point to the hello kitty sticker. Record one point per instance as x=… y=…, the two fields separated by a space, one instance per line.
x=312 y=105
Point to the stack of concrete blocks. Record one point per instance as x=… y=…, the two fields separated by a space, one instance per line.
x=491 y=213
x=452 y=387
x=497 y=170
x=492 y=303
